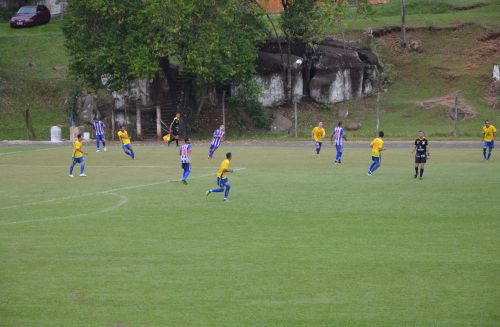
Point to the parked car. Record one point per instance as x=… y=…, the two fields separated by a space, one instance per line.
x=30 y=16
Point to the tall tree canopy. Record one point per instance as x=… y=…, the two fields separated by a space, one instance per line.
x=214 y=40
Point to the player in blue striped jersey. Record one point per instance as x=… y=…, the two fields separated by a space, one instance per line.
x=185 y=154
x=339 y=135
x=98 y=127
x=216 y=141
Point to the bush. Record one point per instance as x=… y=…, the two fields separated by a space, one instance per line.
x=245 y=102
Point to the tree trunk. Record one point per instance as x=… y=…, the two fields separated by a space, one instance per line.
x=288 y=82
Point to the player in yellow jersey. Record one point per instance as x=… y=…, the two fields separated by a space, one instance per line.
x=318 y=133
x=222 y=180
x=377 y=146
x=125 y=141
x=489 y=134
x=78 y=157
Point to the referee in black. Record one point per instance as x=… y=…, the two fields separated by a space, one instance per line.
x=421 y=150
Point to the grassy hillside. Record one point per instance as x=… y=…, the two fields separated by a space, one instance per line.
x=454 y=60
x=33 y=75
x=33 y=72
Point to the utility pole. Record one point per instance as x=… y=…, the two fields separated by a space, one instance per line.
x=224 y=108
x=402 y=40
x=378 y=112
x=455 y=131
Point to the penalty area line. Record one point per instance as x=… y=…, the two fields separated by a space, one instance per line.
x=122 y=202
x=131 y=187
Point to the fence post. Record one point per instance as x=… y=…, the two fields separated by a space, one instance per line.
x=295 y=117
x=158 y=122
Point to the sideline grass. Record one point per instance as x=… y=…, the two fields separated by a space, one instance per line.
x=302 y=243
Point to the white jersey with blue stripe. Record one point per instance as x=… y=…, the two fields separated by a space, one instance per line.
x=185 y=153
x=98 y=126
x=338 y=133
x=217 y=138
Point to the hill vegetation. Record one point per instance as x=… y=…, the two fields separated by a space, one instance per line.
x=459 y=49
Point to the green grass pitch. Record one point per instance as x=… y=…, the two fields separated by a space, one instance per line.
x=301 y=242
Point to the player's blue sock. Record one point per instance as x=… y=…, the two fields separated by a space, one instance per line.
x=186 y=174
x=375 y=167
x=489 y=155
x=82 y=169
x=132 y=153
x=484 y=153
x=71 y=169
x=103 y=143
x=97 y=142
x=228 y=188
x=211 y=153
x=216 y=190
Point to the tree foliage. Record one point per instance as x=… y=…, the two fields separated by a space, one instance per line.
x=215 y=41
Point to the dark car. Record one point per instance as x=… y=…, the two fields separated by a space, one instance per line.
x=30 y=16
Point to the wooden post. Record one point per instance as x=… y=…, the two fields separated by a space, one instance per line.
x=113 y=120
x=224 y=108
x=295 y=117
x=455 y=131
x=378 y=112
x=402 y=40
x=138 y=119
x=158 y=122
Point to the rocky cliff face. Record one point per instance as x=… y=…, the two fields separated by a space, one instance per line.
x=337 y=72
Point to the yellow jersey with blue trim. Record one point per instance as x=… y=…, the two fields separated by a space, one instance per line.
x=376 y=145
x=123 y=136
x=318 y=134
x=77 y=149
x=489 y=133
x=223 y=166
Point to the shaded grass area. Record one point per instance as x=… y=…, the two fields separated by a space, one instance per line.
x=302 y=243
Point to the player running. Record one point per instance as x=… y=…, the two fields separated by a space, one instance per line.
x=217 y=138
x=98 y=127
x=318 y=133
x=174 y=129
x=222 y=180
x=421 y=150
x=489 y=134
x=377 y=146
x=185 y=154
x=78 y=157
x=125 y=141
x=339 y=135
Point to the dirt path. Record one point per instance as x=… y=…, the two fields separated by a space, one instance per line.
x=267 y=143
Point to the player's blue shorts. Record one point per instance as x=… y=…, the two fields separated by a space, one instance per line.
x=490 y=144
x=78 y=160
x=222 y=181
x=126 y=147
x=186 y=166
x=100 y=138
x=376 y=159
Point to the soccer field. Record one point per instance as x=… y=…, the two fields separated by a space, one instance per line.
x=301 y=242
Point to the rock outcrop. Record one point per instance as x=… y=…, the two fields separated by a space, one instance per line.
x=337 y=72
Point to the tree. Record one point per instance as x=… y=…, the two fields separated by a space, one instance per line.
x=215 y=41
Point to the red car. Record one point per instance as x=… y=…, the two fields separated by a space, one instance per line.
x=30 y=16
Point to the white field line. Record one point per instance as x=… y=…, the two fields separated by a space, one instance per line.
x=14 y=152
x=123 y=201
x=131 y=187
